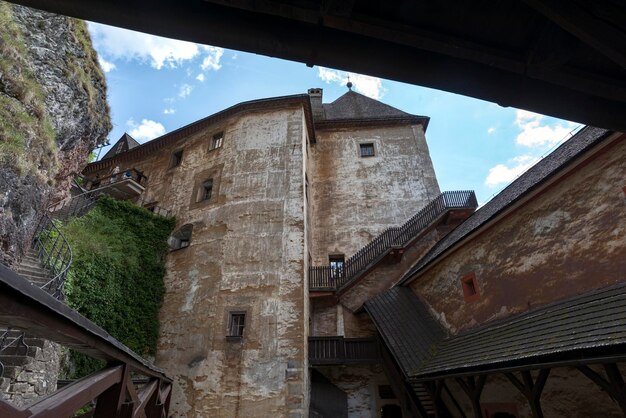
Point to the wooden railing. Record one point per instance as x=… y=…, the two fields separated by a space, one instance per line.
x=338 y=350
x=110 y=391
x=128 y=174
x=327 y=278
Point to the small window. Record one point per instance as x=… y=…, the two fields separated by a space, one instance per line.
x=206 y=190
x=470 y=287
x=181 y=238
x=216 y=141
x=367 y=150
x=337 y=264
x=177 y=159
x=236 y=324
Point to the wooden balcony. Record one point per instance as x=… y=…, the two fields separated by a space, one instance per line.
x=337 y=350
x=449 y=208
x=123 y=185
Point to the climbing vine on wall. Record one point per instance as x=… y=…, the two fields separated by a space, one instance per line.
x=116 y=278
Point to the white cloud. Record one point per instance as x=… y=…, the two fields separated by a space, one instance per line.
x=184 y=91
x=369 y=86
x=491 y=130
x=501 y=173
x=169 y=111
x=212 y=59
x=234 y=57
x=106 y=65
x=200 y=77
x=146 y=130
x=535 y=133
x=115 y=43
x=118 y=43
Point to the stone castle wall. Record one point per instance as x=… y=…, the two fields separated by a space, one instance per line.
x=246 y=254
x=353 y=199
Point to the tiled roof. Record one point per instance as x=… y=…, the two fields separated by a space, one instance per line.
x=536 y=175
x=595 y=320
x=406 y=326
x=353 y=105
x=566 y=330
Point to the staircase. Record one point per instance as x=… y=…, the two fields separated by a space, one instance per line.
x=326 y=278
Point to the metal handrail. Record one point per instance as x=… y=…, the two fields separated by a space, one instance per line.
x=55 y=254
x=128 y=174
x=327 y=278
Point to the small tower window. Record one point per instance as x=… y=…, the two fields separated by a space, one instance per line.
x=337 y=264
x=470 y=287
x=367 y=150
x=177 y=159
x=216 y=141
x=236 y=324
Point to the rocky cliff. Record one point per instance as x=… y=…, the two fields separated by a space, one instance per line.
x=53 y=112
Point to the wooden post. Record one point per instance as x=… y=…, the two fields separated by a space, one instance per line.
x=531 y=390
x=473 y=388
x=614 y=386
x=112 y=403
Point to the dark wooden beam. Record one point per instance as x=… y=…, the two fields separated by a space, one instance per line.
x=312 y=43
x=531 y=389
x=614 y=386
x=577 y=20
x=473 y=388
x=8 y=410
x=454 y=401
x=148 y=394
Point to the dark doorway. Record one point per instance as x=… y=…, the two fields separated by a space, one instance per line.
x=391 y=411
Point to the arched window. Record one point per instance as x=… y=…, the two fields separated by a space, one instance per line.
x=181 y=238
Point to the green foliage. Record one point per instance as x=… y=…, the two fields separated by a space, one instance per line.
x=116 y=277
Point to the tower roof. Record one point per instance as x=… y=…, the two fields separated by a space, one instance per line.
x=125 y=143
x=353 y=105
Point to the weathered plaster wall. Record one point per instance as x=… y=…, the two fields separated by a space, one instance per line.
x=247 y=254
x=361 y=386
x=568 y=240
x=567 y=394
x=353 y=198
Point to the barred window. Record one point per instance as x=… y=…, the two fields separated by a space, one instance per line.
x=236 y=324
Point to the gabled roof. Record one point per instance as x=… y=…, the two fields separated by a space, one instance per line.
x=541 y=172
x=125 y=143
x=581 y=328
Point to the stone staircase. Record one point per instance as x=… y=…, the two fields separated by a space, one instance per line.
x=25 y=361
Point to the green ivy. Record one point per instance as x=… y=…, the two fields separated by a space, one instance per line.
x=116 y=277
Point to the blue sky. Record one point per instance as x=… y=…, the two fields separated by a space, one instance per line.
x=156 y=85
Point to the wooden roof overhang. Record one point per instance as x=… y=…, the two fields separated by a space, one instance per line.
x=180 y=133
x=561 y=58
x=371 y=122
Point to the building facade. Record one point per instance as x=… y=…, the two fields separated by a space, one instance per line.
x=317 y=269
x=261 y=191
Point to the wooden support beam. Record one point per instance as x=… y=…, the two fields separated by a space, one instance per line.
x=454 y=401
x=8 y=410
x=614 y=386
x=148 y=393
x=473 y=388
x=112 y=403
x=575 y=19
x=531 y=389
x=69 y=399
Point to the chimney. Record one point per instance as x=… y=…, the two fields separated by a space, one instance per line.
x=315 y=95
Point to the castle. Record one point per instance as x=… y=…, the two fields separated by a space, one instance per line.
x=317 y=269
